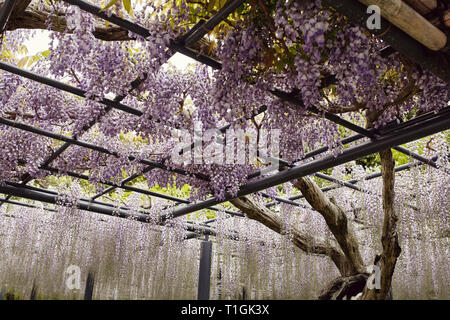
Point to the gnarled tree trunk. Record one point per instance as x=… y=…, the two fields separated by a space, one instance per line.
x=337 y=222
x=346 y=257
x=389 y=239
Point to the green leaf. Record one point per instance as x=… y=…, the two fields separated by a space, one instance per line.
x=109 y=5
x=127 y=6
x=8 y=54
x=45 y=53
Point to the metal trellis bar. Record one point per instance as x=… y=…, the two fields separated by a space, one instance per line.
x=143 y=32
x=56 y=194
x=354 y=181
x=347 y=124
x=390 y=128
x=409 y=134
x=137 y=190
x=65 y=87
x=27 y=178
x=27 y=205
x=183 y=150
x=86 y=205
x=209 y=25
x=90 y=146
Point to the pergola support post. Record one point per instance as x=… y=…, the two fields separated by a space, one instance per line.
x=204 y=275
x=89 y=289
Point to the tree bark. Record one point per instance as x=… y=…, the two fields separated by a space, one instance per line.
x=389 y=239
x=336 y=220
x=344 y=287
x=306 y=243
